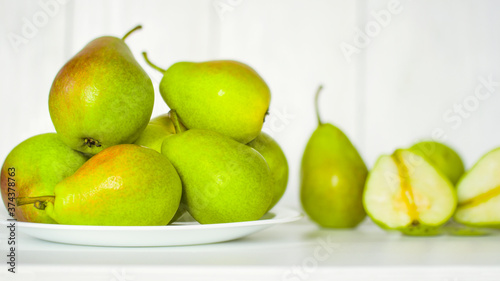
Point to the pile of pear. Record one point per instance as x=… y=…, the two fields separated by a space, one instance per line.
x=109 y=164
x=421 y=190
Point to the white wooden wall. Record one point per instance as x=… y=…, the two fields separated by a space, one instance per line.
x=404 y=80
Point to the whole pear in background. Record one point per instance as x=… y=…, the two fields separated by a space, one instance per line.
x=101 y=97
x=227 y=97
x=34 y=168
x=478 y=193
x=332 y=178
x=276 y=159
x=405 y=192
x=125 y=184
x=223 y=180
x=442 y=157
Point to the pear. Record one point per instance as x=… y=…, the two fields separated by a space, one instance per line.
x=34 y=168
x=478 y=193
x=332 y=178
x=276 y=159
x=407 y=193
x=124 y=185
x=223 y=180
x=442 y=157
x=227 y=97
x=157 y=130
x=101 y=97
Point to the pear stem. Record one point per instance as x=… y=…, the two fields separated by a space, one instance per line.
x=316 y=104
x=145 y=55
x=131 y=31
x=39 y=202
x=175 y=120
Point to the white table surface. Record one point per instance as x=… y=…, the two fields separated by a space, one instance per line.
x=294 y=251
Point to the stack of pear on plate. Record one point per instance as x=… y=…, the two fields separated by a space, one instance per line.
x=109 y=164
x=415 y=190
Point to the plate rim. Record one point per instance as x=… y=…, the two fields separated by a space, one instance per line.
x=293 y=215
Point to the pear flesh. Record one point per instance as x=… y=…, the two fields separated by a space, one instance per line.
x=479 y=193
x=101 y=97
x=124 y=185
x=405 y=192
x=38 y=164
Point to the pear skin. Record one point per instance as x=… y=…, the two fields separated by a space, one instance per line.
x=223 y=180
x=443 y=157
x=276 y=159
x=333 y=175
x=225 y=96
x=124 y=185
x=101 y=97
x=157 y=130
x=38 y=165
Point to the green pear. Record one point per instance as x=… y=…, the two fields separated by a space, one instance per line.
x=332 y=178
x=101 y=97
x=223 y=180
x=33 y=168
x=407 y=193
x=442 y=157
x=478 y=193
x=276 y=159
x=127 y=185
x=227 y=97
x=157 y=130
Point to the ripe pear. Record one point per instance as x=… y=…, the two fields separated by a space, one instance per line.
x=127 y=185
x=332 y=178
x=276 y=159
x=442 y=157
x=405 y=192
x=227 y=97
x=33 y=168
x=478 y=193
x=223 y=180
x=157 y=130
x=101 y=97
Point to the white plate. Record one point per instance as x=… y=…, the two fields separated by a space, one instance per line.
x=176 y=234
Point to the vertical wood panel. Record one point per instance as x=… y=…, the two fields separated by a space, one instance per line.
x=28 y=69
x=424 y=62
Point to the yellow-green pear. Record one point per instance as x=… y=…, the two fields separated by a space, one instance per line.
x=157 y=130
x=223 y=180
x=34 y=168
x=225 y=96
x=276 y=159
x=332 y=178
x=101 y=97
x=126 y=185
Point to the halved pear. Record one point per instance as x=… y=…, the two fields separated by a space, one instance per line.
x=405 y=192
x=478 y=193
